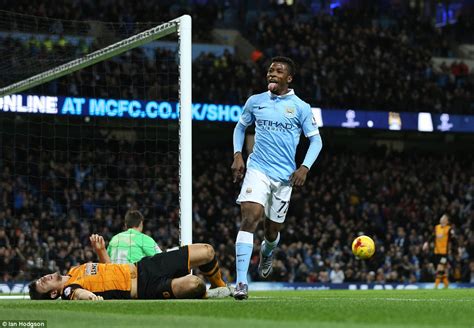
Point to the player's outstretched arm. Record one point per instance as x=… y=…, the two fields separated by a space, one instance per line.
x=98 y=244
x=85 y=295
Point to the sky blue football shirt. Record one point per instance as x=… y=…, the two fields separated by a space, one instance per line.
x=279 y=121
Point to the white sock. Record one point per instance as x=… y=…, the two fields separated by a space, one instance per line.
x=269 y=246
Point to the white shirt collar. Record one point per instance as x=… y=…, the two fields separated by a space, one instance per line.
x=289 y=93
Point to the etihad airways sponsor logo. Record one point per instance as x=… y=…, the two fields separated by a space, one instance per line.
x=274 y=125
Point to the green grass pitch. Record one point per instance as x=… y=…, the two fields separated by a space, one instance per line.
x=415 y=308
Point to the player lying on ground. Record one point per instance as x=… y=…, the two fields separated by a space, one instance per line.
x=162 y=276
x=218 y=286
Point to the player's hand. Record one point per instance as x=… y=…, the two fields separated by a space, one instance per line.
x=238 y=167
x=298 y=177
x=85 y=295
x=94 y=297
x=97 y=242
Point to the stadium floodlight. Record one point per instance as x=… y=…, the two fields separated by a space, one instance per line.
x=60 y=75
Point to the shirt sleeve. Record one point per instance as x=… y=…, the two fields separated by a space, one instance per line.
x=315 y=146
x=68 y=292
x=239 y=137
x=247 y=117
x=150 y=247
x=109 y=247
x=308 y=122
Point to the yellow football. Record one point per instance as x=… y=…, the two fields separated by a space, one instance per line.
x=363 y=247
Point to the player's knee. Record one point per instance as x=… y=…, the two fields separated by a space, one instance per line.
x=272 y=230
x=251 y=212
x=194 y=282
x=209 y=251
x=197 y=286
x=249 y=222
x=271 y=235
x=249 y=218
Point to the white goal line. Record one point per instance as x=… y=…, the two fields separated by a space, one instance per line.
x=14 y=297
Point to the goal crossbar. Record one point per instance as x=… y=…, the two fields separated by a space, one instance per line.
x=94 y=57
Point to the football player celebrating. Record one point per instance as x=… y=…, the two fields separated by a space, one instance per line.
x=279 y=116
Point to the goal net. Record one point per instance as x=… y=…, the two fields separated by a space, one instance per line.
x=95 y=120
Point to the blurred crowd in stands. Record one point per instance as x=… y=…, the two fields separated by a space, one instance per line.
x=354 y=59
x=128 y=15
x=52 y=200
x=347 y=59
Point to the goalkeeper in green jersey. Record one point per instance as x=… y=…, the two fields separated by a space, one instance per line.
x=132 y=245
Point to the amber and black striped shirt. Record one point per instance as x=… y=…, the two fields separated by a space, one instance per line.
x=111 y=281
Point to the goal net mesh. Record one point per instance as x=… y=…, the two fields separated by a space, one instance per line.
x=79 y=150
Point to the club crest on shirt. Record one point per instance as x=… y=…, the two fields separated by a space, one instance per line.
x=290 y=112
x=249 y=190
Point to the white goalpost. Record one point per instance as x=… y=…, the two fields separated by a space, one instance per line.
x=185 y=135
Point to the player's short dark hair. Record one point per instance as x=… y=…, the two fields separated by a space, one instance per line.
x=133 y=218
x=36 y=295
x=288 y=61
